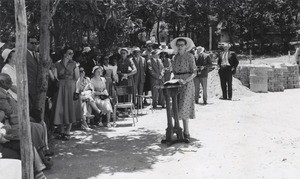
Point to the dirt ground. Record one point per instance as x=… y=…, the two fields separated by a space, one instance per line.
x=253 y=136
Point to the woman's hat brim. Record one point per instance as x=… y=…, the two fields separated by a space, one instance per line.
x=189 y=43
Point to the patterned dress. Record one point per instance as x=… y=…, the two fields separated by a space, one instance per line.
x=183 y=67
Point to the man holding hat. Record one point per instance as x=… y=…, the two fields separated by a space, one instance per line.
x=141 y=66
x=228 y=63
x=203 y=63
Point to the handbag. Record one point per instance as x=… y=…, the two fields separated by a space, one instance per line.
x=103 y=96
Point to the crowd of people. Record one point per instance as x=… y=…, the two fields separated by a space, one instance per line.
x=82 y=87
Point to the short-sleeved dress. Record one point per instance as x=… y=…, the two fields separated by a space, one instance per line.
x=100 y=86
x=67 y=110
x=183 y=66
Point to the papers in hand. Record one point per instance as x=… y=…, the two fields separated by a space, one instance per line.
x=172 y=82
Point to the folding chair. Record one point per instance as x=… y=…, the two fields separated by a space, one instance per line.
x=140 y=99
x=126 y=92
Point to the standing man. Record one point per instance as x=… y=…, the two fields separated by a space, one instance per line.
x=228 y=63
x=155 y=68
x=203 y=63
x=32 y=71
x=139 y=77
x=146 y=54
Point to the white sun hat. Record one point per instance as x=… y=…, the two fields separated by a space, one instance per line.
x=189 y=43
x=6 y=53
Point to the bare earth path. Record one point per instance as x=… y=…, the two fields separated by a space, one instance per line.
x=254 y=137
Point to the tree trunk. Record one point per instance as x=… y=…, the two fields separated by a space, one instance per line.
x=45 y=59
x=22 y=88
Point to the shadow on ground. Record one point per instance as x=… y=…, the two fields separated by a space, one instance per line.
x=89 y=154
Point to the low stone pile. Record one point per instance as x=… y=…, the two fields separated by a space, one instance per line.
x=274 y=77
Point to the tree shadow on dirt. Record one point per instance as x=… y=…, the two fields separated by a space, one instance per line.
x=107 y=150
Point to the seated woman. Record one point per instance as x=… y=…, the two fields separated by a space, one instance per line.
x=88 y=103
x=101 y=96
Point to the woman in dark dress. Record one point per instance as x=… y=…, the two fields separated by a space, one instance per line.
x=67 y=108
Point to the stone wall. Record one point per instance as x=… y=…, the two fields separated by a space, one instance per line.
x=279 y=77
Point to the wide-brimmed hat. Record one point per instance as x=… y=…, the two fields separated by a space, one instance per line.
x=119 y=51
x=1 y=44
x=189 y=43
x=200 y=49
x=86 y=49
x=6 y=53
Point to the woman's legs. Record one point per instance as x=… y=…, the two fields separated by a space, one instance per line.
x=68 y=129
x=186 y=130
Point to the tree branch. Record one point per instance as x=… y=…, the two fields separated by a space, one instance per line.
x=56 y=2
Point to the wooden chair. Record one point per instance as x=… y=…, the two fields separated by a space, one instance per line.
x=125 y=92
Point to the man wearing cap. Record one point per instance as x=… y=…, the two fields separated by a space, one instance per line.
x=203 y=63
x=155 y=68
x=228 y=63
x=32 y=71
x=141 y=66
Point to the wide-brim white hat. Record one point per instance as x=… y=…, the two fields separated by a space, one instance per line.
x=6 y=53
x=189 y=43
x=119 y=51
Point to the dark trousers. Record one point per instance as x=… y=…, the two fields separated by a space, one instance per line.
x=225 y=74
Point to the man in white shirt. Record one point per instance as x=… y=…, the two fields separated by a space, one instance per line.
x=228 y=63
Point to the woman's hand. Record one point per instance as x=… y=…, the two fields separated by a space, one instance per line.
x=181 y=81
x=124 y=76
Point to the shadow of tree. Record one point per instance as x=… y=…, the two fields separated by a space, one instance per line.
x=89 y=154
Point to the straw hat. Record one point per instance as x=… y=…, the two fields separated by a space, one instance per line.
x=189 y=43
x=200 y=49
x=6 y=53
x=86 y=49
x=119 y=51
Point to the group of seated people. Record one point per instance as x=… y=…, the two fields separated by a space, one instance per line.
x=10 y=142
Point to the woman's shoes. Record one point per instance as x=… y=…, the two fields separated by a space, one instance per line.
x=63 y=136
x=186 y=136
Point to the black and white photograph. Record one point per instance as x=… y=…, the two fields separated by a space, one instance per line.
x=149 y=89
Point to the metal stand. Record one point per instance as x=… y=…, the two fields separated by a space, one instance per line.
x=172 y=91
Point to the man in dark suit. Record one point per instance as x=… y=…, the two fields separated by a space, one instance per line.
x=228 y=63
x=141 y=66
x=203 y=63
x=32 y=72
x=89 y=61
x=155 y=68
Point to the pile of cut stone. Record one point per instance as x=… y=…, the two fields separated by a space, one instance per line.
x=264 y=78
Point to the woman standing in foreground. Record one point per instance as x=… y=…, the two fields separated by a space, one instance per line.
x=184 y=69
x=67 y=108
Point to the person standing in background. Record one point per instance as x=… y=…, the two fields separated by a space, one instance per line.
x=156 y=70
x=228 y=63
x=32 y=59
x=139 y=77
x=203 y=63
